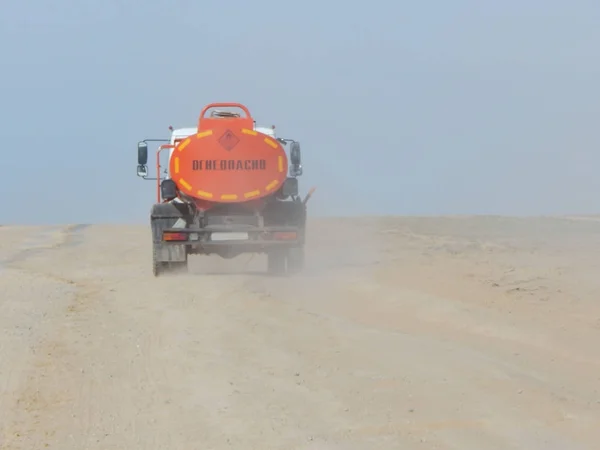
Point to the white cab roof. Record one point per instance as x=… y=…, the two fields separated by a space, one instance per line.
x=185 y=132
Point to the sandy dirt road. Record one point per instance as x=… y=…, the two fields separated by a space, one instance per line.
x=430 y=333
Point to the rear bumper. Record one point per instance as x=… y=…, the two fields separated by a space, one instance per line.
x=251 y=238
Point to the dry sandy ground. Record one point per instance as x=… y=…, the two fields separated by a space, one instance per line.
x=412 y=333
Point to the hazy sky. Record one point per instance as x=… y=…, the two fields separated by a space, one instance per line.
x=420 y=107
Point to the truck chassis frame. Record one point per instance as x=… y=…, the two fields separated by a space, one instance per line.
x=178 y=232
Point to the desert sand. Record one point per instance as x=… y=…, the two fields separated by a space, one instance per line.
x=465 y=333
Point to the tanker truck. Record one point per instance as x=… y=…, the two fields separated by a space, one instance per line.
x=227 y=190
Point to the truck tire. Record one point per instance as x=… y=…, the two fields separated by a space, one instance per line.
x=158 y=267
x=166 y=258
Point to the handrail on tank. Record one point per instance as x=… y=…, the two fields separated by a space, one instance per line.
x=225 y=105
x=158 y=177
x=206 y=123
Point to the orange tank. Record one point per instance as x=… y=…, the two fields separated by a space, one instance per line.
x=228 y=161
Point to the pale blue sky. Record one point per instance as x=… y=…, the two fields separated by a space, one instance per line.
x=401 y=107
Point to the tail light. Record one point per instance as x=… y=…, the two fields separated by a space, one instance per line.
x=174 y=236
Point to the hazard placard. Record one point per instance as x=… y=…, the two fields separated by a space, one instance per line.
x=228 y=140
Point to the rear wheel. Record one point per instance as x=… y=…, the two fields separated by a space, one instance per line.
x=157 y=266
x=163 y=255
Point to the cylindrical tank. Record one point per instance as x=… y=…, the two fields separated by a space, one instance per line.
x=227 y=161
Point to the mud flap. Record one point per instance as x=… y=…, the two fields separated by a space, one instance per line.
x=163 y=216
x=170 y=253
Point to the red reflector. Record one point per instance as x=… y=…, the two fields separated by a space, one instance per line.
x=172 y=236
x=284 y=235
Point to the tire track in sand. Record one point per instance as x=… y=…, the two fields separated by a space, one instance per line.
x=41 y=389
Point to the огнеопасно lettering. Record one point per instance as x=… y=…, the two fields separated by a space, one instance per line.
x=229 y=164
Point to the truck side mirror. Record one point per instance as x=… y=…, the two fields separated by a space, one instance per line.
x=295 y=159
x=142 y=154
x=142 y=170
x=295 y=155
